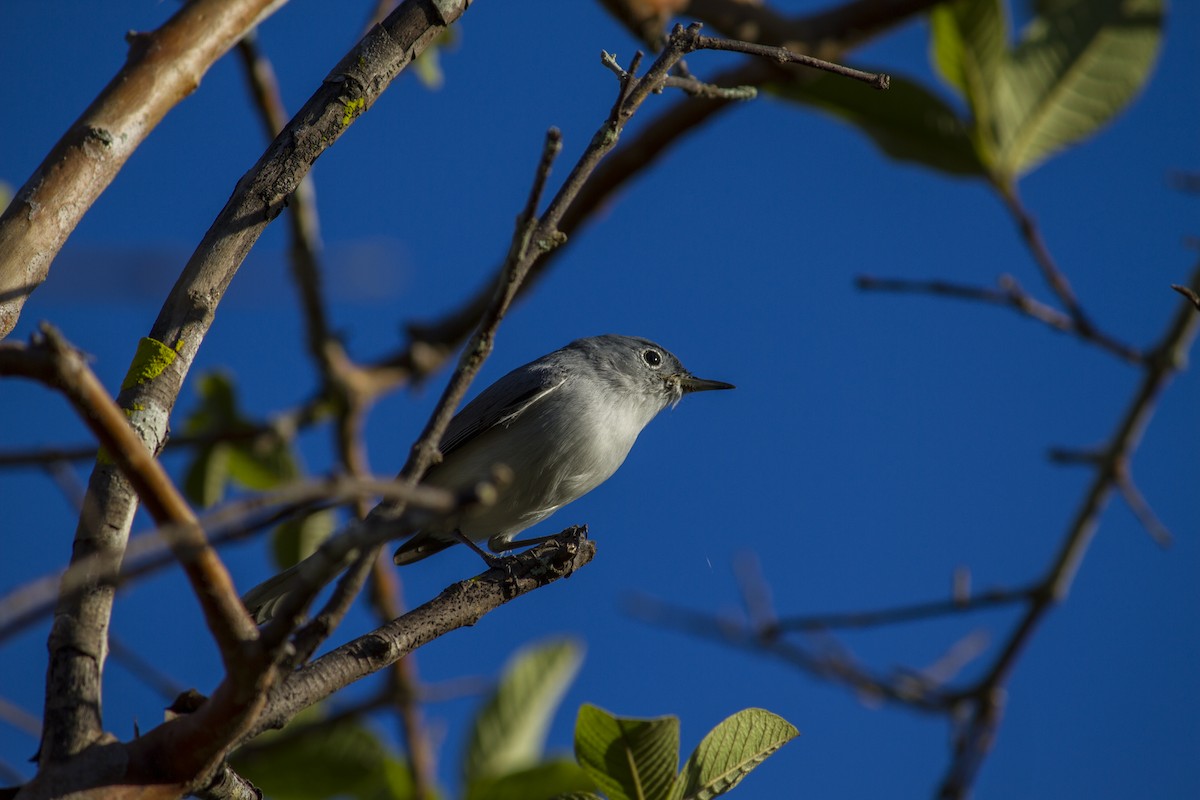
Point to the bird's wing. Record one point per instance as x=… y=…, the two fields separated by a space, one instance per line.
x=501 y=403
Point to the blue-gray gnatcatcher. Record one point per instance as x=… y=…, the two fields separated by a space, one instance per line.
x=562 y=424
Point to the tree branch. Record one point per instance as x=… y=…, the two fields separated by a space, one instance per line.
x=77 y=642
x=462 y=604
x=52 y=361
x=1010 y=294
x=162 y=68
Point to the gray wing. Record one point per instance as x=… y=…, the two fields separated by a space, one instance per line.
x=502 y=402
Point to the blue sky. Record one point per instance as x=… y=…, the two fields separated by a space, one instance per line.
x=875 y=443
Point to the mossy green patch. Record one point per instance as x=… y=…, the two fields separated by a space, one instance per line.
x=352 y=110
x=151 y=358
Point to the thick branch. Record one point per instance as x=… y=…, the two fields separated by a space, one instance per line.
x=51 y=360
x=463 y=604
x=162 y=68
x=77 y=642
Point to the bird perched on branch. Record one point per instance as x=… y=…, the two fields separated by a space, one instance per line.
x=562 y=424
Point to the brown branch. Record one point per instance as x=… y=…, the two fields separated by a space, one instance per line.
x=228 y=785
x=1141 y=507
x=834 y=664
x=52 y=361
x=1161 y=365
x=832 y=33
x=1054 y=277
x=786 y=56
x=163 y=67
x=281 y=429
x=352 y=87
x=978 y=709
x=1188 y=293
x=1010 y=295
x=910 y=613
x=462 y=604
x=403 y=687
x=231 y=522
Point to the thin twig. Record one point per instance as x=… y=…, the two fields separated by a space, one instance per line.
x=1054 y=277
x=1188 y=293
x=280 y=430
x=983 y=718
x=1010 y=295
x=19 y=718
x=698 y=88
x=784 y=56
x=909 y=613
x=163 y=684
x=1143 y=511
x=831 y=665
x=233 y=521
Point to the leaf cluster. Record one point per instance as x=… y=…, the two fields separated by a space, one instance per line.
x=621 y=757
x=1075 y=65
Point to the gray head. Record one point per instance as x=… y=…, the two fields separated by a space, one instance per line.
x=639 y=366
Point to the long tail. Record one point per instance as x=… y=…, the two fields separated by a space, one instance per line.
x=263 y=600
x=423 y=545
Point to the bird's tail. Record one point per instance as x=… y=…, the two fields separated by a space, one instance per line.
x=263 y=600
x=423 y=545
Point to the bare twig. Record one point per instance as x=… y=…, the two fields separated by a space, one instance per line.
x=698 y=88
x=976 y=710
x=1009 y=294
x=910 y=613
x=1141 y=509
x=163 y=684
x=19 y=718
x=1054 y=277
x=279 y=430
x=983 y=718
x=785 y=56
x=236 y=520
x=1188 y=293
x=832 y=664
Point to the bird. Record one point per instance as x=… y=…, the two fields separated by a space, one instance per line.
x=562 y=424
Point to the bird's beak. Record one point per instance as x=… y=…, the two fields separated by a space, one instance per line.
x=690 y=383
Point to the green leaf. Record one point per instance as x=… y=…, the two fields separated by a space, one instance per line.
x=313 y=762
x=630 y=759
x=261 y=465
x=969 y=42
x=1078 y=64
x=509 y=732
x=217 y=410
x=730 y=751
x=297 y=538
x=429 y=63
x=908 y=122
x=205 y=478
x=557 y=778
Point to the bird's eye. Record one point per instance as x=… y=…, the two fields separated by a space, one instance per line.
x=652 y=357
